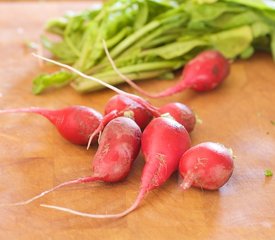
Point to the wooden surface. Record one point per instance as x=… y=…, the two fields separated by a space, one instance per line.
x=34 y=157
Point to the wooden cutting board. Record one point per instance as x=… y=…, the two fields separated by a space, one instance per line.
x=239 y=114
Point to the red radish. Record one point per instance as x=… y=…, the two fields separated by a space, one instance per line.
x=207 y=165
x=119 y=146
x=181 y=113
x=75 y=123
x=141 y=115
x=163 y=142
x=121 y=105
x=203 y=73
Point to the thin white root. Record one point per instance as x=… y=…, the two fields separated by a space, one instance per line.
x=186 y=182
x=90 y=140
x=27 y=201
x=102 y=216
x=79 y=180
x=126 y=79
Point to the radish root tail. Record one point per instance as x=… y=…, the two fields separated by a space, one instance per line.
x=107 y=118
x=26 y=202
x=126 y=79
x=102 y=216
x=187 y=181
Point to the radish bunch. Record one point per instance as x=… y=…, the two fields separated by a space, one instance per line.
x=165 y=144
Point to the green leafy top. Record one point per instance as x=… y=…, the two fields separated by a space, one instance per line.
x=145 y=35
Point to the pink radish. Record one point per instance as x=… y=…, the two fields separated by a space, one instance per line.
x=118 y=148
x=203 y=73
x=163 y=142
x=207 y=165
x=75 y=123
x=181 y=113
x=121 y=105
x=141 y=115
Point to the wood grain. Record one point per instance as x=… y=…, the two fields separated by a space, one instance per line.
x=34 y=157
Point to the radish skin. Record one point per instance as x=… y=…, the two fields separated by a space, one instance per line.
x=207 y=166
x=119 y=146
x=75 y=123
x=122 y=103
x=162 y=155
x=181 y=113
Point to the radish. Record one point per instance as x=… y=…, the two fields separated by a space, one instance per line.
x=121 y=105
x=207 y=165
x=75 y=123
x=181 y=113
x=119 y=146
x=163 y=143
x=141 y=115
x=203 y=73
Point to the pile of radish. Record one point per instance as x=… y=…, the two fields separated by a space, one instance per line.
x=130 y=124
